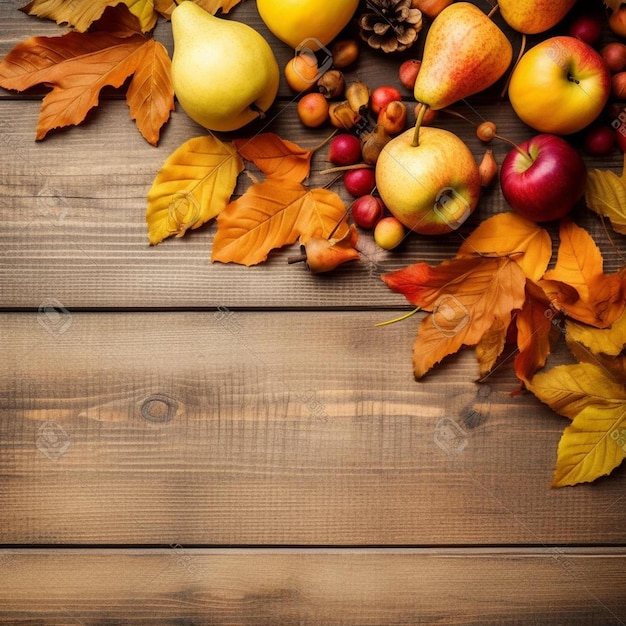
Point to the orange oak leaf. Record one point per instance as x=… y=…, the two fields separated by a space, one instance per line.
x=273 y=214
x=79 y=65
x=507 y=234
x=276 y=157
x=465 y=297
x=601 y=298
x=538 y=325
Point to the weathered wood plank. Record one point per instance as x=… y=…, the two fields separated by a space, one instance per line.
x=551 y=587
x=272 y=428
x=73 y=211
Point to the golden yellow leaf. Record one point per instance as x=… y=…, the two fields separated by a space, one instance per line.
x=579 y=266
x=506 y=234
x=568 y=389
x=605 y=194
x=165 y=7
x=273 y=214
x=610 y=341
x=491 y=344
x=193 y=186
x=466 y=298
x=592 y=446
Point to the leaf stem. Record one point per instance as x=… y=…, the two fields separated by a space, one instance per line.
x=401 y=318
x=345 y=168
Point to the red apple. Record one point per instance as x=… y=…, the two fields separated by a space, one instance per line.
x=599 y=140
x=544 y=179
x=345 y=149
x=382 y=96
x=588 y=27
x=359 y=182
x=367 y=210
x=408 y=72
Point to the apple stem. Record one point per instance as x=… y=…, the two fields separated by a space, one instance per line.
x=494 y=10
x=296 y=259
x=418 y=123
x=258 y=110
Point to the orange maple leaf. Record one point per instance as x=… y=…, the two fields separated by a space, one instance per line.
x=273 y=214
x=276 y=157
x=466 y=297
x=601 y=298
x=79 y=65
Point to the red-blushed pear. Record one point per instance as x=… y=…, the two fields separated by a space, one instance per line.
x=432 y=188
x=465 y=52
x=560 y=85
x=543 y=178
x=534 y=16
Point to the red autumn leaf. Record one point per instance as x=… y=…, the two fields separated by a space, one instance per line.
x=276 y=157
x=601 y=297
x=79 y=65
x=538 y=323
x=466 y=298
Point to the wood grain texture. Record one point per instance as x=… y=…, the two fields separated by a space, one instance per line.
x=272 y=428
x=180 y=585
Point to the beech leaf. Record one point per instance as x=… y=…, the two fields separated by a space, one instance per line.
x=465 y=297
x=276 y=157
x=193 y=186
x=579 y=266
x=79 y=65
x=272 y=214
x=506 y=234
x=605 y=194
x=165 y=7
x=611 y=341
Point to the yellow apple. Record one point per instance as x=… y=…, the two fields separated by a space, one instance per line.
x=306 y=24
x=560 y=86
x=432 y=188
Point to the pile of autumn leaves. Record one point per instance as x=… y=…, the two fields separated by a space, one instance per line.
x=497 y=295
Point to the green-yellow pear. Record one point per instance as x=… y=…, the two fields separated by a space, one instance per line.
x=534 y=16
x=431 y=188
x=464 y=53
x=224 y=72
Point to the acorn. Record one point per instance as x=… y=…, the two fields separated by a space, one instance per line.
x=344 y=52
x=488 y=168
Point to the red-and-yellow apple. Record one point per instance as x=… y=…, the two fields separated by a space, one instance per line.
x=432 y=188
x=544 y=178
x=560 y=85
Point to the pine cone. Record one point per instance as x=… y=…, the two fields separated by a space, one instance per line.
x=390 y=25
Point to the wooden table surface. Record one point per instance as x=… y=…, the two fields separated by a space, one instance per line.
x=184 y=442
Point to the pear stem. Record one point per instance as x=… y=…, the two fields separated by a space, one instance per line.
x=519 y=56
x=345 y=168
x=418 y=123
x=494 y=10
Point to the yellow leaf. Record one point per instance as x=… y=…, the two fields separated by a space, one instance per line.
x=144 y=11
x=593 y=445
x=611 y=341
x=506 y=234
x=491 y=344
x=568 y=389
x=605 y=194
x=193 y=186
x=273 y=214
x=165 y=7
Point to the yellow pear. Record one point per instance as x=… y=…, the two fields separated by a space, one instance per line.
x=431 y=188
x=534 y=16
x=464 y=53
x=308 y=24
x=224 y=72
